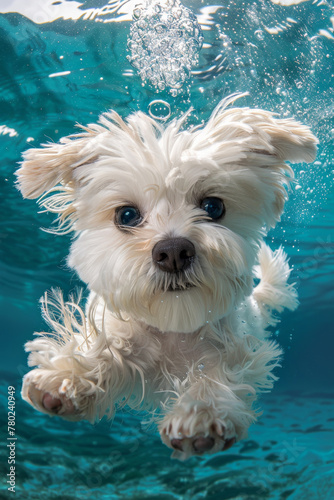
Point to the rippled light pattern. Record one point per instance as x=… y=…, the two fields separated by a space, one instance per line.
x=164 y=42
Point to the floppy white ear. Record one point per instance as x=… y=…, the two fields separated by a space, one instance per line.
x=53 y=164
x=289 y=139
x=44 y=168
x=255 y=131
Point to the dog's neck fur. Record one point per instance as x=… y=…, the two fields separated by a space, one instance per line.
x=155 y=331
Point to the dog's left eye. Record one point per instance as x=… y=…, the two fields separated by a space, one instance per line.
x=128 y=216
x=214 y=207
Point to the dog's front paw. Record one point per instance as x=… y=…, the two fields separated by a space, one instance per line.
x=51 y=394
x=196 y=430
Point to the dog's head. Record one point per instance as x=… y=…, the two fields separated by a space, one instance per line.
x=168 y=222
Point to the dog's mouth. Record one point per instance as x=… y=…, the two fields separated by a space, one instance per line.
x=175 y=282
x=177 y=287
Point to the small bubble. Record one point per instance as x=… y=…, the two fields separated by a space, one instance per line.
x=137 y=13
x=259 y=34
x=142 y=24
x=188 y=26
x=160 y=28
x=160 y=110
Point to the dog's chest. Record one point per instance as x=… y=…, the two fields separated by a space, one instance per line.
x=183 y=354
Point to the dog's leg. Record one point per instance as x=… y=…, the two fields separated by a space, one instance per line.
x=75 y=385
x=216 y=409
x=197 y=425
x=80 y=374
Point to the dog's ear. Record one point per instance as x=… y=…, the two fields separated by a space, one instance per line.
x=285 y=139
x=52 y=170
x=258 y=132
x=45 y=167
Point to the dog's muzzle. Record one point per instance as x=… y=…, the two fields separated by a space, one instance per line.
x=173 y=255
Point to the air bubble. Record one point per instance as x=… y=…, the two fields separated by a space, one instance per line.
x=160 y=28
x=136 y=13
x=168 y=37
x=187 y=26
x=142 y=24
x=259 y=34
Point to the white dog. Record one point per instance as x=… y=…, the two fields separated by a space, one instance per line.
x=169 y=229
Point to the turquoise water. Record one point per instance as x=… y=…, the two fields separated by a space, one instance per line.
x=281 y=52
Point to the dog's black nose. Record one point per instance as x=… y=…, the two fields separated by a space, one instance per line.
x=174 y=254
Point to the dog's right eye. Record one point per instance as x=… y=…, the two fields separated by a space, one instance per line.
x=128 y=216
x=214 y=207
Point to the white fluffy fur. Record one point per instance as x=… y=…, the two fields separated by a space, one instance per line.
x=198 y=355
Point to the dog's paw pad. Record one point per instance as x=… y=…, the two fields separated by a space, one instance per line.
x=228 y=443
x=177 y=444
x=57 y=405
x=203 y=444
x=199 y=445
x=51 y=404
x=197 y=433
x=52 y=400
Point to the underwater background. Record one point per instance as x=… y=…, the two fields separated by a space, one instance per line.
x=63 y=62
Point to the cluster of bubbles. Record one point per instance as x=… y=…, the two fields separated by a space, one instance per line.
x=164 y=42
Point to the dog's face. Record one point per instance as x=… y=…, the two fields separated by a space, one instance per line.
x=168 y=222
